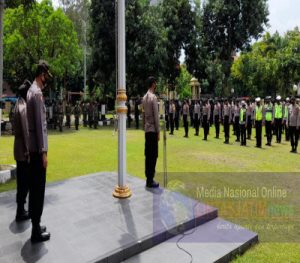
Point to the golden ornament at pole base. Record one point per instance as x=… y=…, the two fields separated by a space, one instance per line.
x=121 y=95
x=122 y=192
x=122 y=110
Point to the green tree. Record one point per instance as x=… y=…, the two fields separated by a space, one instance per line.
x=179 y=22
x=39 y=33
x=145 y=44
x=183 y=83
x=271 y=66
x=226 y=27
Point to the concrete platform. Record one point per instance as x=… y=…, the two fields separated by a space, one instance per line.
x=88 y=225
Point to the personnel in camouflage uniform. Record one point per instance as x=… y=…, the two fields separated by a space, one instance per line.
x=91 y=114
x=77 y=113
x=68 y=115
x=95 y=115
x=60 y=113
x=85 y=113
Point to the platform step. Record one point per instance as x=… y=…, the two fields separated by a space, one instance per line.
x=215 y=241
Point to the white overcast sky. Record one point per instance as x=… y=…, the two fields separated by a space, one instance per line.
x=284 y=14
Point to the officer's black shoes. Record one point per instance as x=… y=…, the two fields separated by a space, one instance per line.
x=268 y=144
x=258 y=146
x=226 y=142
x=152 y=185
x=185 y=136
x=39 y=234
x=22 y=215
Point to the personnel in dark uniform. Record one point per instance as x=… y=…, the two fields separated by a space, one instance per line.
x=77 y=113
x=185 y=114
x=236 y=120
x=172 y=110
x=269 y=119
x=68 y=115
x=21 y=151
x=205 y=118
x=38 y=148
x=294 y=124
x=191 y=105
x=243 y=123
x=258 y=113
x=226 y=120
x=249 y=115
x=285 y=119
x=152 y=132
x=177 y=115
x=196 y=117
x=217 y=118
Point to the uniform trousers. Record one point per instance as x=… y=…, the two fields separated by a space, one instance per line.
x=22 y=182
x=243 y=134
x=294 y=136
x=249 y=127
x=226 y=128
x=186 y=124
x=151 y=154
x=205 y=125
x=269 y=131
x=37 y=183
x=258 y=128
x=171 y=116
x=196 y=123
x=278 y=129
x=217 y=125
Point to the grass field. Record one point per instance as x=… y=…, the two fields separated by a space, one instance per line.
x=193 y=163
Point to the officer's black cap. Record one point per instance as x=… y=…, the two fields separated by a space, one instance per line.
x=43 y=67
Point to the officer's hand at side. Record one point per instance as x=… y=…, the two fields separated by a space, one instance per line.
x=45 y=160
x=158 y=136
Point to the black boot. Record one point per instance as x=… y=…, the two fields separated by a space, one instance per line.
x=39 y=234
x=22 y=214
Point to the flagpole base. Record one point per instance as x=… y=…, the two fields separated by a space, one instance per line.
x=122 y=192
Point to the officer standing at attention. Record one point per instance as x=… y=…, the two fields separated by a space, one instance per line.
x=249 y=115
x=243 y=123
x=269 y=119
x=226 y=120
x=196 y=117
x=258 y=113
x=152 y=132
x=278 y=119
x=217 y=118
x=185 y=113
x=21 y=151
x=236 y=120
x=38 y=148
x=172 y=110
x=285 y=119
x=205 y=118
x=294 y=124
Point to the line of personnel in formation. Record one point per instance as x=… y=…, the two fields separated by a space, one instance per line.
x=278 y=116
x=56 y=111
